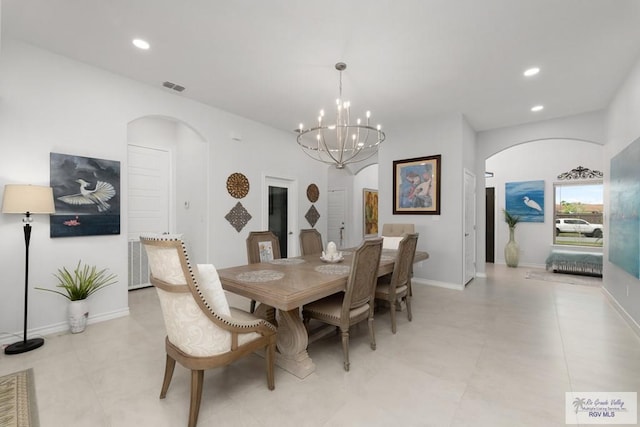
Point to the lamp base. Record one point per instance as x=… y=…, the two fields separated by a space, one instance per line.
x=24 y=346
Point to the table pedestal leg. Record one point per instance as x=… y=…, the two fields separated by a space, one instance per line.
x=292 y=353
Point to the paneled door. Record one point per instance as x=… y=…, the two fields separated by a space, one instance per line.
x=148 y=204
x=337 y=218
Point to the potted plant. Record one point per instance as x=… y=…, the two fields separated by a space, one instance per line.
x=511 y=250
x=77 y=286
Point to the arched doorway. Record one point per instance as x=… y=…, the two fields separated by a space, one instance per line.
x=540 y=160
x=167 y=172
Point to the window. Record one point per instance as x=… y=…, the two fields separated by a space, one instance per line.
x=578 y=213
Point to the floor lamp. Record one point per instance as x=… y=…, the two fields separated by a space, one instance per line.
x=26 y=200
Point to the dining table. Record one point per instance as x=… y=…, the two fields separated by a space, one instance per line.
x=287 y=284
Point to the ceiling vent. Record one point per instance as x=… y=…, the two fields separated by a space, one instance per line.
x=173 y=86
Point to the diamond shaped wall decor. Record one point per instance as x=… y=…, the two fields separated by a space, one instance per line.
x=312 y=215
x=238 y=217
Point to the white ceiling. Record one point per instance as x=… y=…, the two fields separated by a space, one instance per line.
x=273 y=60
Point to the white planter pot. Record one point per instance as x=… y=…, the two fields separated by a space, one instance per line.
x=78 y=315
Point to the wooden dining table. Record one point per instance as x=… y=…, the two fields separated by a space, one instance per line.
x=287 y=284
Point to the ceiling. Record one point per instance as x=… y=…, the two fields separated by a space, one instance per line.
x=273 y=60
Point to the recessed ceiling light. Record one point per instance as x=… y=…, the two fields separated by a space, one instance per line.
x=531 y=72
x=141 y=44
x=537 y=108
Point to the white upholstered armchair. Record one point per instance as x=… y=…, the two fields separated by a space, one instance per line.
x=203 y=332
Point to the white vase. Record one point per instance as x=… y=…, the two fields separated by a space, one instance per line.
x=78 y=315
x=512 y=250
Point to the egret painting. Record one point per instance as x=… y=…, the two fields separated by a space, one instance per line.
x=86 y=193
x=525 y=199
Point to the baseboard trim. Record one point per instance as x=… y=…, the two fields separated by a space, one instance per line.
x=59 y=327
x=630 y=320
x=524 y=264
x=437 y=284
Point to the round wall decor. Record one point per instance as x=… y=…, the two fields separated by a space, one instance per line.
x=313 y=193
x=237 y=185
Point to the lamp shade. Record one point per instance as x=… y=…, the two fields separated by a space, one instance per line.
x=20 y=199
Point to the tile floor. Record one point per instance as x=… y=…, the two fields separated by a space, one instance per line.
x=501 y=353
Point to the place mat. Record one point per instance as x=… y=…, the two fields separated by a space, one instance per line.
x=18 y=406
x=287 y=261
x=332 y=269
x=260 y=276
x=572 y=279
x=387 y=258
x=345 y=253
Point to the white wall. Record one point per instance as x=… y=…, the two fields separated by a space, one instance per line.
x=50 y=103
x=537 y=160
x=440 y=235
x=623 y=129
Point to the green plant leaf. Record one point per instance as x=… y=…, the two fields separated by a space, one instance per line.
x=83 y=282
x=510 y=219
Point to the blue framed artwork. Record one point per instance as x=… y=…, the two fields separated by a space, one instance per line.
x=525 y=199
x=624 y=219
x=86 y=192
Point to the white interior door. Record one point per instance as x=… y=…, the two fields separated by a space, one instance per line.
x=148 y=204
x=337 y=218
x=469 y=226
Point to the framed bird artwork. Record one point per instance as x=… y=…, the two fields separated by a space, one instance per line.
x=525 y=199
x=86 y=193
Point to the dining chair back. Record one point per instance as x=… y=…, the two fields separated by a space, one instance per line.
x=310 y=241
x=393 y=233
x=203 y=332
x=397 y=230
x=397 y=287
x=262 y=246
x=355 y=304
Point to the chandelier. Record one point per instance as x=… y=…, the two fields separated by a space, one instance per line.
x=342 y=142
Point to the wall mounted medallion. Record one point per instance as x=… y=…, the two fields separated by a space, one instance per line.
x=238 y=217
x=237 y=185
x=313 y=193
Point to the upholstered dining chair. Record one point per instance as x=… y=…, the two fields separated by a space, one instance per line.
x=261 y=246
x=203 y=332
x=355 y=304
x=310 y=241
x=393 y=233
x=397 y=286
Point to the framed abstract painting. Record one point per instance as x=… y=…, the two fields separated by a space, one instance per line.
x=624 y=219
x=416 y=186
x=370 y=212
